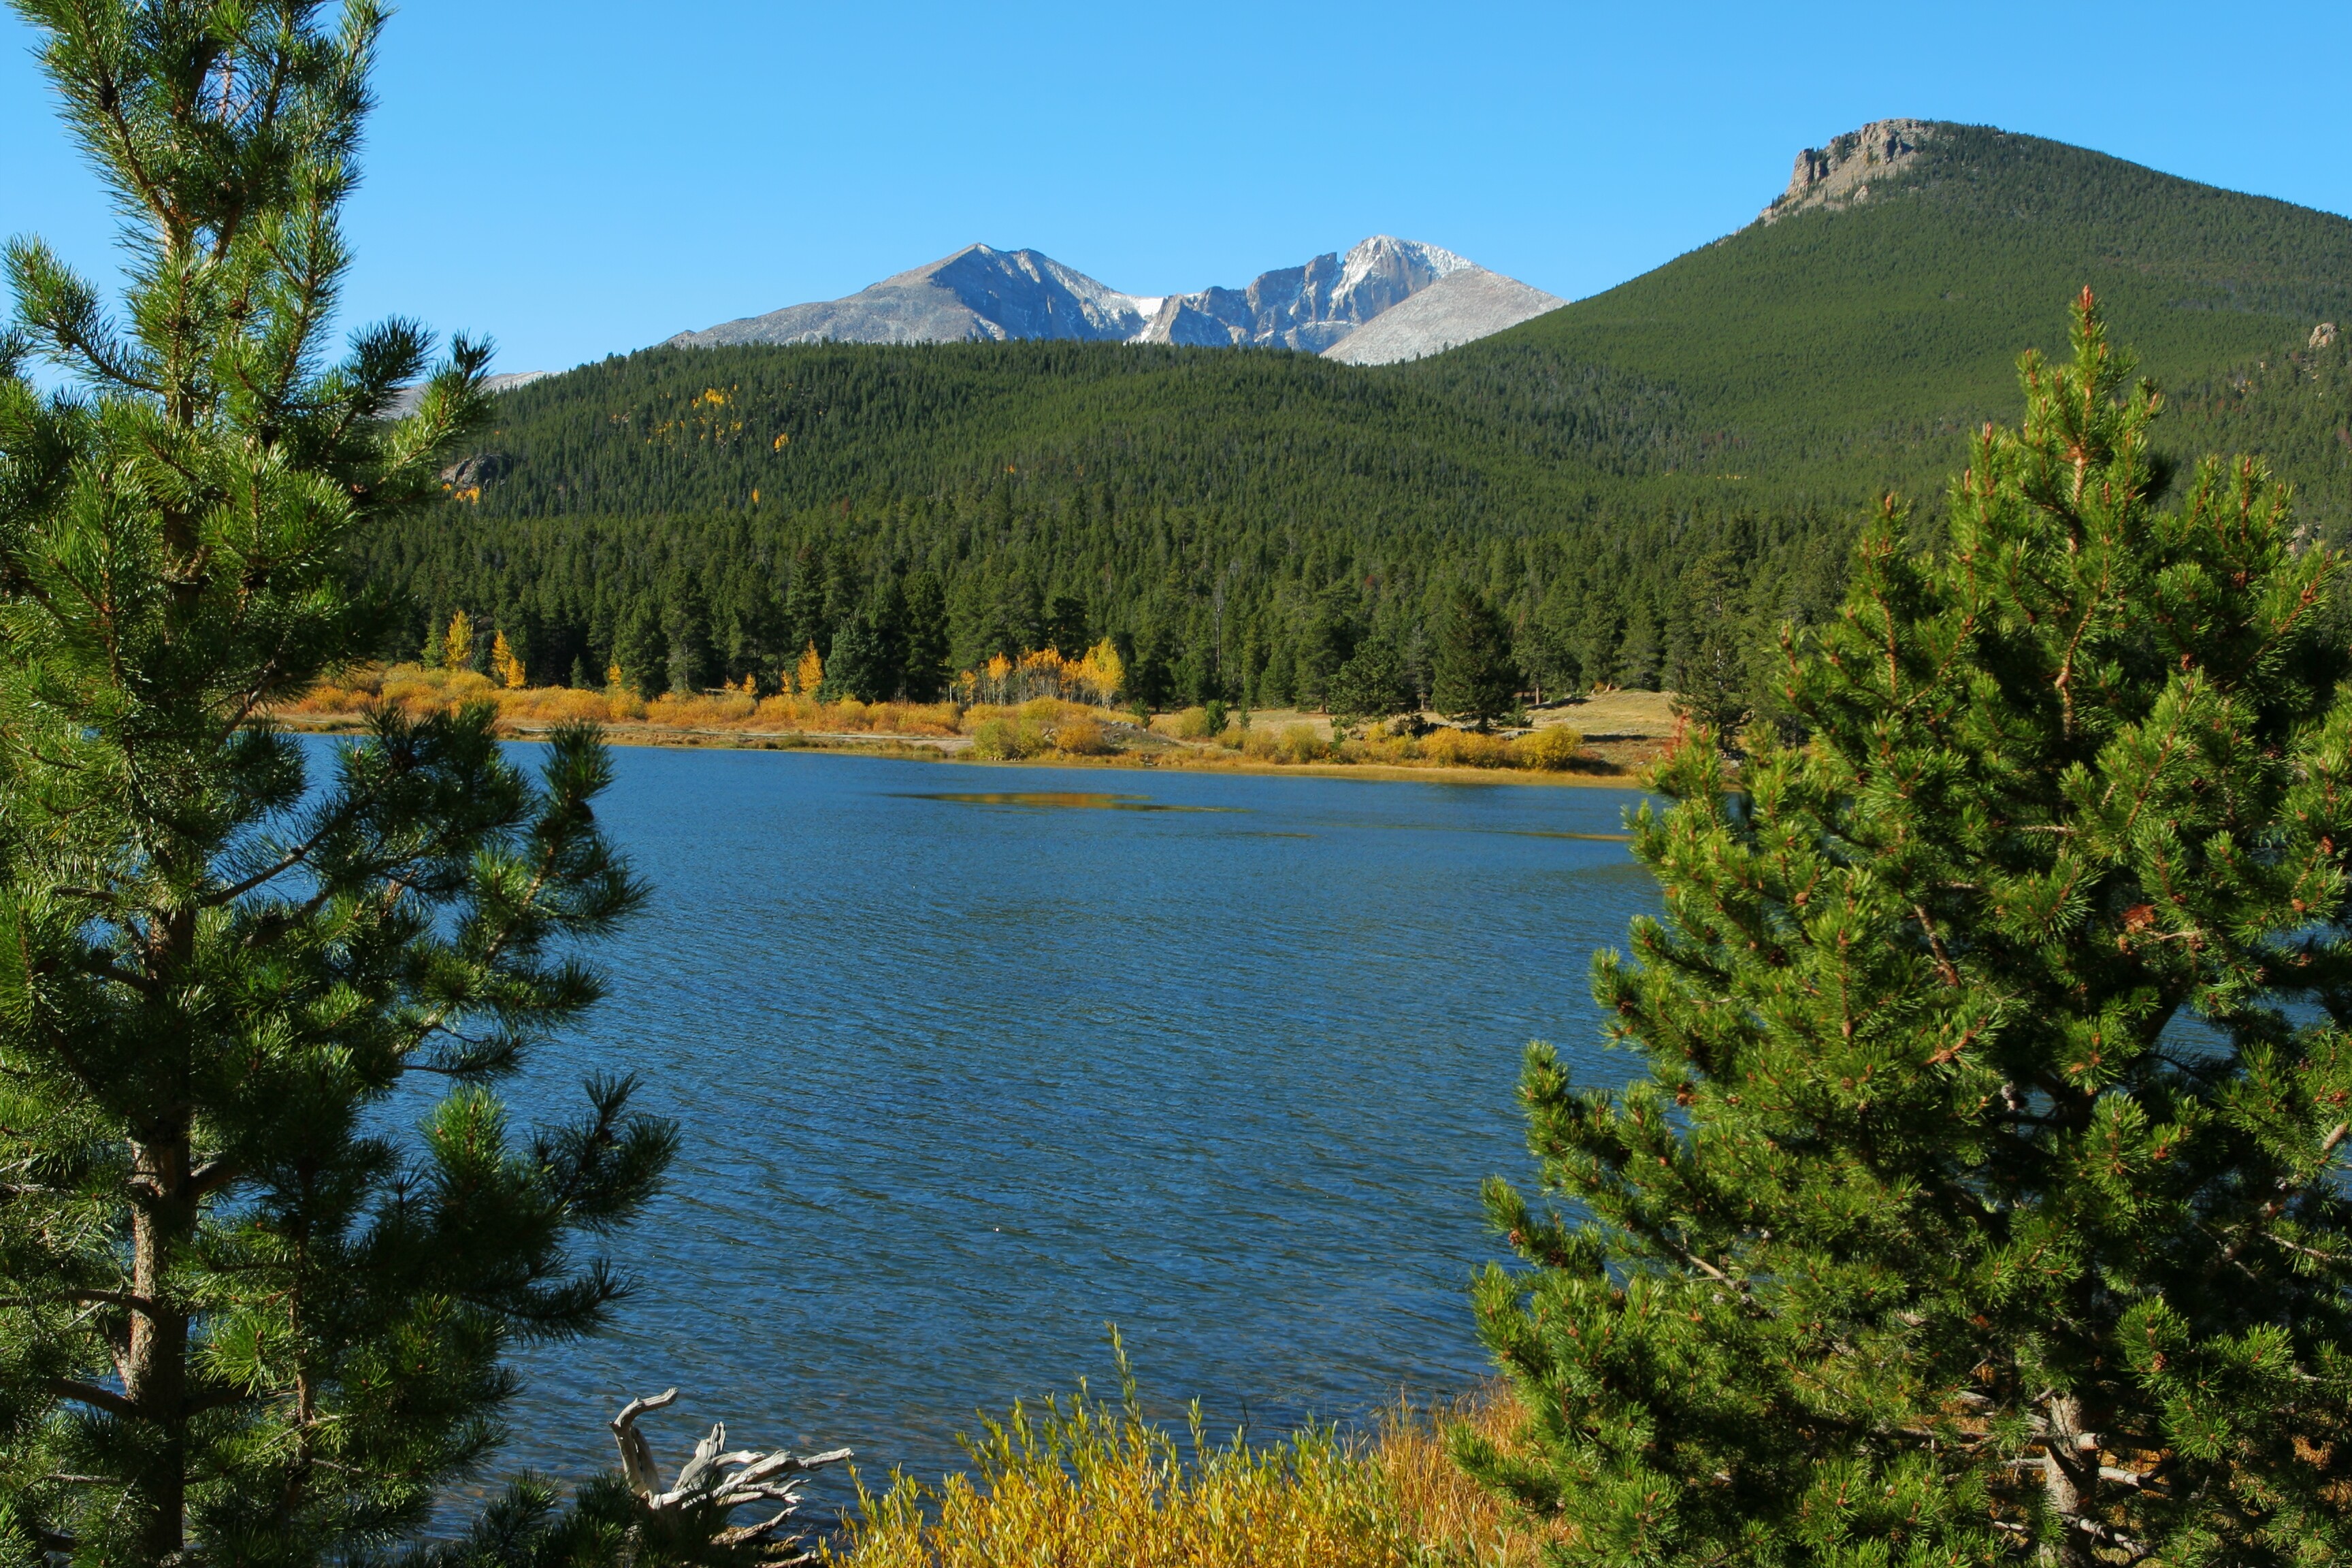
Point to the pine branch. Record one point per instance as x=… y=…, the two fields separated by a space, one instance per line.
x=95 y=1397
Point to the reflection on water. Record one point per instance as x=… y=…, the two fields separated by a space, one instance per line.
x=1060 y=800
x=959 y=1087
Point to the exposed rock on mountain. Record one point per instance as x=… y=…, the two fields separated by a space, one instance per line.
x=978 y=292
x=1459 y=307
x=1840 y=173
x=1311 y=307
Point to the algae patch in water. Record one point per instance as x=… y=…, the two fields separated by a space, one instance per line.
x=1061 y=800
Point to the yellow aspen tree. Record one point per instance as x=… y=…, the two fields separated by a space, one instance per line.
x=811 y=674
x=458 y=648
x=614 y=675
x=503 y=660
x=1104 y=670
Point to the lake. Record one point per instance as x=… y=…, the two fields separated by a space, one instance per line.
x=970 y=1061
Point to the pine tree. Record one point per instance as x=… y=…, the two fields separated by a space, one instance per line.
x=641 y=652
x=1474 y=677
x=246 y=1319
x=1373 y=684
x=927 y=672
x=1711 y=679
x=686 y=629
x=1329 y=634
x=1983 y=1201
x=856 y=667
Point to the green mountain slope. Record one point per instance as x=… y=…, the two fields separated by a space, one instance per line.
x=1840 y=348
x=1241 y=518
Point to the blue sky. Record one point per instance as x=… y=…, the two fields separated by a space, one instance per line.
x=585 y=177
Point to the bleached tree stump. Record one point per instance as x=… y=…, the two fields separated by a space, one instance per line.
x=715 y=1477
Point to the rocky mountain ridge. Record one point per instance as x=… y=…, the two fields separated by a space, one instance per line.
x=981 y=292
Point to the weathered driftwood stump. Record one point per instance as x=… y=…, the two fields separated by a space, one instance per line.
x=715 y=1477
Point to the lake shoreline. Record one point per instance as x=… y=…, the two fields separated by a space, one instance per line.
x=1603 y=773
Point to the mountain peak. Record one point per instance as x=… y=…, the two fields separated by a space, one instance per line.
x=978 y=292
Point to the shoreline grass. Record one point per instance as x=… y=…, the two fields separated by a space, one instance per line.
x=1090 y=1483
x=1046 y=732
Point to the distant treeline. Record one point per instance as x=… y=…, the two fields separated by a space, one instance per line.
x=899 y=596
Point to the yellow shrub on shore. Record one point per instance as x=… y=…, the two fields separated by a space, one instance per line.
x=1190 y=724
x=1081 y=737
x=1096 y=1486
x=1464 y=748
x=1049 y=711
x=1553 y=749
x=563 y=705
x=699 y=710
x=1296 y=743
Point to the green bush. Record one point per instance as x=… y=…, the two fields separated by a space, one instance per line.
x=1010 y=740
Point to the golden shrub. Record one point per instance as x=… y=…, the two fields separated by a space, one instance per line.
x=1191 y=724
x=1553 y=749
x=1081 y=737
x=696 y=711
x=1464 y=748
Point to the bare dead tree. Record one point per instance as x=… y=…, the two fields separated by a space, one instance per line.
x=719 y=1480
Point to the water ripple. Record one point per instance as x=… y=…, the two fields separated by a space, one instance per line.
x=958 y=1087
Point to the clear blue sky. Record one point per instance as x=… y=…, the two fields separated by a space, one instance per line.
x=584 y=178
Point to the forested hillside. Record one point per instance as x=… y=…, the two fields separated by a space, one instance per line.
x=1626 y=476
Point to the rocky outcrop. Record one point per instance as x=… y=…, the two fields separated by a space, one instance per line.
x=1839 y=175
x=978 y=292
x=474 y=472
x=1312 y=307
x=1459 y=307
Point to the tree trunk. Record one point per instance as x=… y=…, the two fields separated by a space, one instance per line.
x=2067 y=1484
x=154 y=1377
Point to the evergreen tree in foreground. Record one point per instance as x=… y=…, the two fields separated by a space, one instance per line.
x=1983 y=1201
x=245 y=1317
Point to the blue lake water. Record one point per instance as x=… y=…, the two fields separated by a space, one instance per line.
x=961 y=1079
